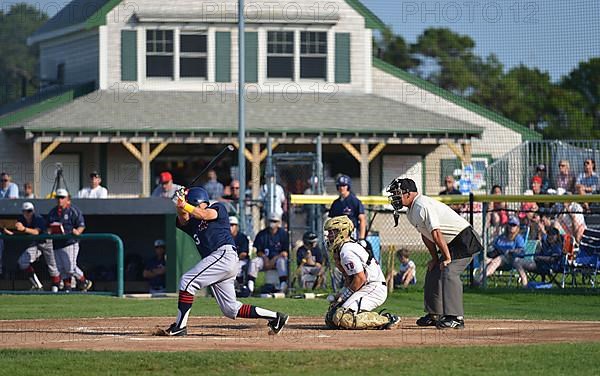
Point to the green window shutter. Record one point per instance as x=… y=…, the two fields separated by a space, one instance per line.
x=223 y=56
x=342 y=58
x=251 y=57
x=128 y=55
x=447 y=167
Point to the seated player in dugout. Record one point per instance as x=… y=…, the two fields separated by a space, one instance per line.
x=272 y=245
x=364 y=287
x=309 y=259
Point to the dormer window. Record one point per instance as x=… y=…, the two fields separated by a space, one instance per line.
x=159 y=53
x=313 y=55
x=280 y=55
x=193 y=55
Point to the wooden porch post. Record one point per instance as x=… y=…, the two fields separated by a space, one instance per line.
x=37 y=168
x=255 y=176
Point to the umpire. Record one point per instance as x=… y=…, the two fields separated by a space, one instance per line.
x=451 y=241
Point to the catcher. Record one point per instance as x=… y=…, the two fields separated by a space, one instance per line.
x=364 y=283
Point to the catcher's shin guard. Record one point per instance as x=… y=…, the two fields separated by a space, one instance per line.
x=347 y=319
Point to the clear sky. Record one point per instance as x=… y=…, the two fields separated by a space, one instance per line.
x=552 y=35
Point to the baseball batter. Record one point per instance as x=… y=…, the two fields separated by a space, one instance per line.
x=365 y=287
x=208 y=225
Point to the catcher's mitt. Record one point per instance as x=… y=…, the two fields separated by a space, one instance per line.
x=329 y=317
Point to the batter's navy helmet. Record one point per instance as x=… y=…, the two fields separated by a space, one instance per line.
x=196 y=196
x=343 y=180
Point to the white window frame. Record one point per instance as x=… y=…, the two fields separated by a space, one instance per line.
x=308 y=54
x=293 y=55
x=173 y=54
x=193 y=54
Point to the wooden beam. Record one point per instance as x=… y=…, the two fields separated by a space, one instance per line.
x=145 y=169
x=157 y=150
x=263 y=154
x=133 y=150
x=456 y=150
x=352 y=150
x=246 y=151
x=49 y=150
x=467 y=152
x=37 y=168
x=376 y=150
x=364 y=169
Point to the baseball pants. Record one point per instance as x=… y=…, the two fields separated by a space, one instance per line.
x=369 y=297
x=31 y=254
x=66 y=261
x=444 y=289
x=257 y=264
x=218 y=270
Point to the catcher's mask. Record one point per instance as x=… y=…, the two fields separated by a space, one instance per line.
x=338 y=231
x=399 y=187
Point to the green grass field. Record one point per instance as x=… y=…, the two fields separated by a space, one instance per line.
x=509 y=304
x=575 y=359
x=563 y=358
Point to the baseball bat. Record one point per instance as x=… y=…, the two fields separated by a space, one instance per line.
x=212 y=163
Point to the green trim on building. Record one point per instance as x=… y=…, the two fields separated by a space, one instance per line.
x=371 y=20
x=526 y=133
x=223 y=56
x=343 y=71
x=129 y=55
x=46 y=105
x=99 y=17
x=251 y=53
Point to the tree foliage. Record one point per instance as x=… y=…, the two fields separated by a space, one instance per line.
x=18 y=61
x=568 y=109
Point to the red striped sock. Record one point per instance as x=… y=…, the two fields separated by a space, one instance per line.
x=29 y=269
x=185 y=297
x=55 y=280
x=245 y=311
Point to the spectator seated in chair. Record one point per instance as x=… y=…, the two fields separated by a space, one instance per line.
x=545 y=260
x=506 y=248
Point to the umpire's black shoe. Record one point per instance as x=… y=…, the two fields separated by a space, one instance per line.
x=174 y=331
x=451 y=322
x=276 y=325
x=428 y=320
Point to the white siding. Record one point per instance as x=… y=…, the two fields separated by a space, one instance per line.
x=16 y=158
x=78 y=52
x=124 y=172
x=349 y=21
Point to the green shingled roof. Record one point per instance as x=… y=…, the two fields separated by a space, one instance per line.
x=163 y=111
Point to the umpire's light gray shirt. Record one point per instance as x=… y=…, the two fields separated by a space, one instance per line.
x=427 y=214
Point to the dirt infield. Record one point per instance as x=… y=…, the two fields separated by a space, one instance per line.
x=210 y=333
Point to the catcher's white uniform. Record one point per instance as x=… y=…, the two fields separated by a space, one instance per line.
x=354 y=260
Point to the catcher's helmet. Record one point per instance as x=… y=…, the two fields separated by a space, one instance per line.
x=397 y=188
x=196 y=196
x=338 y=231
x=343 y=180
x=309 y=238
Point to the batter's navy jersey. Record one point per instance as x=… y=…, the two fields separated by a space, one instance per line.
x=272 y=244
x=316 y=253
x=70 y=218
x=37 y=221
x=241 y=243
x=209 y=235
x=349 y=206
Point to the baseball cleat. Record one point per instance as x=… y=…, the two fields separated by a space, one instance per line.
x=428 y=320
x=394 y=320
x=85 y=285
x=36 y=285
x=171 y=331
x=276 y=325
x=450 y=322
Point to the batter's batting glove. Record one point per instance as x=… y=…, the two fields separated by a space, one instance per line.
x=179 y=195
